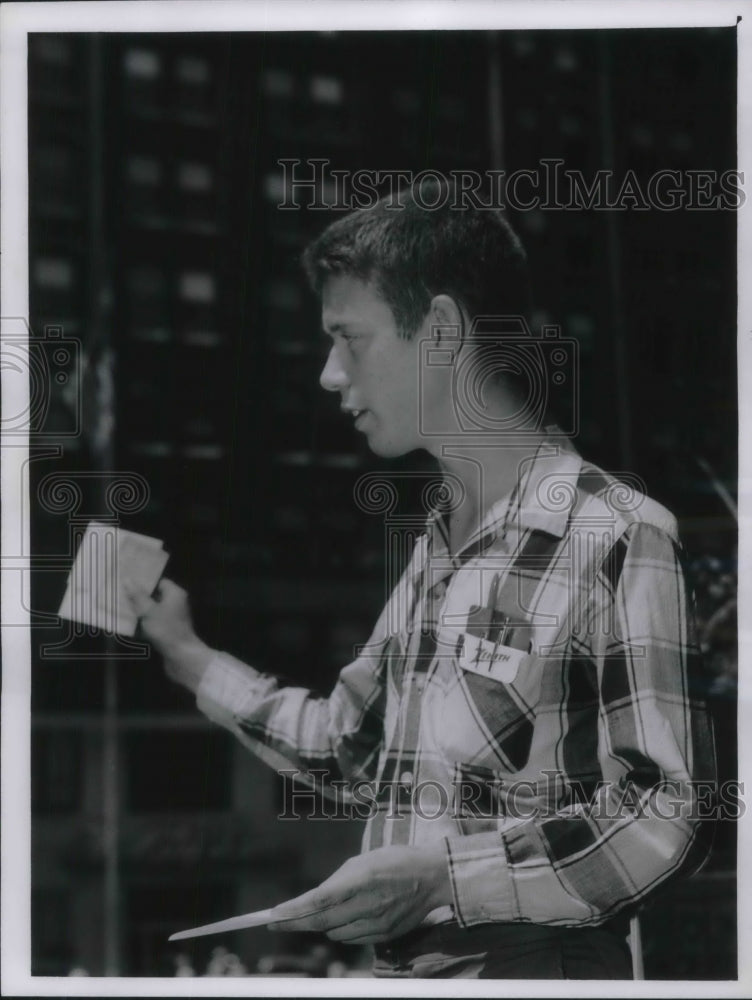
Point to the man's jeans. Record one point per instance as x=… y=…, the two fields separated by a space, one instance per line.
x=507 y=951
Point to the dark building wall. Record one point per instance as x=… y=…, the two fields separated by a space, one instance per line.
x=157 y=247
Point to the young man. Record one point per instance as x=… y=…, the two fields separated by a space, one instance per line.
x=523 y=712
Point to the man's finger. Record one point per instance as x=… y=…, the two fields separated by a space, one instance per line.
x=168 y=591
x=334 y=918
x=359 y=932
x=365 y=931
x=319 y=919
x=316 y=911
x=365 y=915
x=138 y=599
x=309 y=912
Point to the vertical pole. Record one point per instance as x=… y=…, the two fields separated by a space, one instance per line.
x=99 y=413
x=635 y=946
x=110 y=818
x=495 y=110
x=615 y=263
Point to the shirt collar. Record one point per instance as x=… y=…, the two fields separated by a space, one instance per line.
x=548 y=485
x=542 y=500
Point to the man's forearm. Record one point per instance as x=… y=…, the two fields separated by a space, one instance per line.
x=187 y=663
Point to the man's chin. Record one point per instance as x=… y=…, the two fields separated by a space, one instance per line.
x=391 y=449
x=384 y=451
x=385 y=448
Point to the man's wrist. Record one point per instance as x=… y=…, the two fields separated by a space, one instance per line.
x=188 y=663
x=441 y=886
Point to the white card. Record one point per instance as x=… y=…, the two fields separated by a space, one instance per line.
x=490 y=659
x=107 y=556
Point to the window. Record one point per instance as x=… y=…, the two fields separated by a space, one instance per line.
x=169 y=770
x=51 y=949
x=56 y=771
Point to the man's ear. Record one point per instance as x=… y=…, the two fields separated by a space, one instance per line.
x=447 y=320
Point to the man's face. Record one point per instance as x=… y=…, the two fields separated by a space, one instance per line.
x=374 y=370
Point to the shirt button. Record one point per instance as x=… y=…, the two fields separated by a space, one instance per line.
x=406 y=778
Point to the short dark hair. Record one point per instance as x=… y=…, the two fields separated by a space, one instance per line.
x=412 y=253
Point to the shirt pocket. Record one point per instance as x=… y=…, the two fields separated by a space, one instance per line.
x=485 y=718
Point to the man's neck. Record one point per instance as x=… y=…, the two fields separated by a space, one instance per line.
x=481 y=475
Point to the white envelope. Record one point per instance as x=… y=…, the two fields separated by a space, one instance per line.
x=106 y=557
x=256 y=919
x=260 y=917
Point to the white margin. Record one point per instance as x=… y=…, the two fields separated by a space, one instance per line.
x=16 y=19
x=15 y=745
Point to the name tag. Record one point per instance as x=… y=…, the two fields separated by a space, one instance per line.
x=484 y=657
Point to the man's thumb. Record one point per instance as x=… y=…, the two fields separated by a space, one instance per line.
x=138 y=599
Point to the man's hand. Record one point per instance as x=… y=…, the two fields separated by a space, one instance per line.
x=165 y=620
x=374 y=897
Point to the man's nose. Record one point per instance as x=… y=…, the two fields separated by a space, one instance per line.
x=333 y=377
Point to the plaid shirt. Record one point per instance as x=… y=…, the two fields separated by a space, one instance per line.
x=528 y=701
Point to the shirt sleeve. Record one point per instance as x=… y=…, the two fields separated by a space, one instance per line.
x=325 y=739
x=641 y=822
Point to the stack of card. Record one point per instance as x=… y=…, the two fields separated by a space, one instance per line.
x=108 y=557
